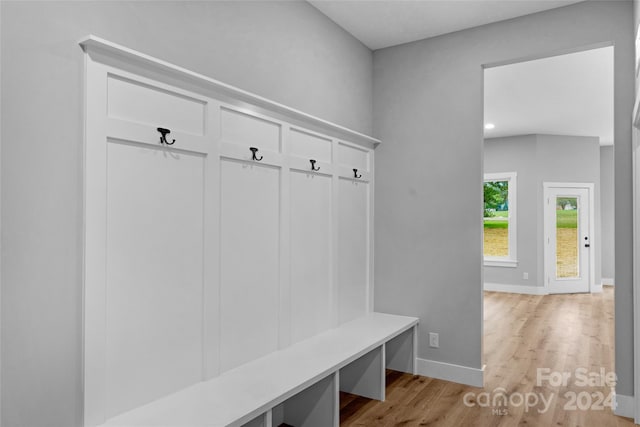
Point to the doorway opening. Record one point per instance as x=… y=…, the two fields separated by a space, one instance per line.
x=548 y=215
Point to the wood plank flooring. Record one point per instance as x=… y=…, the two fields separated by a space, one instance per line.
x=521 y=334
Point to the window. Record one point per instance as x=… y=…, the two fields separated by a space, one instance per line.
x=499 y=219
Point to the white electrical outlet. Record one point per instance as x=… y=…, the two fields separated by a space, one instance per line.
x=525 y=276
x=434 y=339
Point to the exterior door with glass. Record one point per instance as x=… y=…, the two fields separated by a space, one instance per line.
x=568 y=238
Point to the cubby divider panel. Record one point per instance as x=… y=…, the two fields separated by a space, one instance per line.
x=400 y=352
x=315 y=406
x=365 y=376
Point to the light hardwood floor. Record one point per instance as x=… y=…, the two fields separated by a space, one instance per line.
x=522 y=333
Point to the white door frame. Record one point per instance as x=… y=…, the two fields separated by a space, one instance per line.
x=592 y=240
x=635 y=147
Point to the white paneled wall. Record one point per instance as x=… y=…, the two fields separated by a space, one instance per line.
x=200 y=257
x=250 y=261
x=154 y=273
x=353 y=254
x=310 y=225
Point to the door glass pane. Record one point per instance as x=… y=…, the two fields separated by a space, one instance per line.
x=496 y=219
x=567 y=254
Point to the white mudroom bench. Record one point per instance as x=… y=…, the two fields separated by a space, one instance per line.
x=298 y=385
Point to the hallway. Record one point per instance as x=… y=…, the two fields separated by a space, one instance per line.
x=522 y=333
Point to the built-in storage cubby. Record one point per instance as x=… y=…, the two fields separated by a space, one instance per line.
x=365 y=375
x=401 y=352
x=316 y=406
x=263 y=420
x=228 y=254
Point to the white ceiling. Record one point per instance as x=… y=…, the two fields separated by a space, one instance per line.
x=384 y=23
x=563 y=95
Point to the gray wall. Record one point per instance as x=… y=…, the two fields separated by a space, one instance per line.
x=428 y=107
x=286 y=51
x=636 y=15
x=518 y=154
x=538 y=159
x=572 y=159
x=607 y=200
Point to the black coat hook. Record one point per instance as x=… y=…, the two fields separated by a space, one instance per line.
x=163 y=137
x=313 y=165
x=355 y=174
x=254 y=150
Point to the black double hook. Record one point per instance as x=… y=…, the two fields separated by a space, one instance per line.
x=254 y=150
x=163 y=136
x=313 y=165
x=355 y=174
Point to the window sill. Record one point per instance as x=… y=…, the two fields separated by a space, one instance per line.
x=509 y=263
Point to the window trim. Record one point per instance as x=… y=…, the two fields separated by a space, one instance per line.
x=511 y=260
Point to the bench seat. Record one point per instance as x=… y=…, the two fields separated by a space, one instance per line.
x=238 y=396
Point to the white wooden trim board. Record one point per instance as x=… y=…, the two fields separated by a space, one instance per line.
x=516 y=289
x=624 y=406
x=126 y=58
x=450 y=372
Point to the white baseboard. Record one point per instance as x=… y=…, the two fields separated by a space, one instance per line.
x=606 y=281
x=449 y=372
x=597 y=288
x=515 y=289
x=624 y=406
